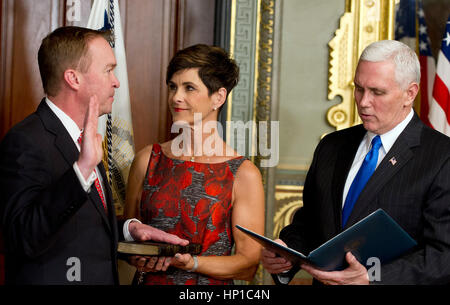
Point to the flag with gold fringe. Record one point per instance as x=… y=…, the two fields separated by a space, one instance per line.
x=116 y=127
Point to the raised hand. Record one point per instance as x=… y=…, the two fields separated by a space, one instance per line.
x=91 y=152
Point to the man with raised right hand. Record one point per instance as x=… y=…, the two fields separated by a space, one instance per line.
x=58 y=221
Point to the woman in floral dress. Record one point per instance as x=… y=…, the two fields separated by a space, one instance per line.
x=196 y=186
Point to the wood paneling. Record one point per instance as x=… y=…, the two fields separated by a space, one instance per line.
x=152 y=26
x=161 y=27
x=24 y=24
x=198 y=22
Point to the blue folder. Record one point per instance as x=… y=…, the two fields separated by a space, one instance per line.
x=377 y=235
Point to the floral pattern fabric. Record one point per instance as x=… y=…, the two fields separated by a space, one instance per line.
x=193 y=201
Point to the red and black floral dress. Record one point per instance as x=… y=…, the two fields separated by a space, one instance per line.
x=193 y=201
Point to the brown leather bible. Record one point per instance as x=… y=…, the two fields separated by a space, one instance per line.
x=155 y=249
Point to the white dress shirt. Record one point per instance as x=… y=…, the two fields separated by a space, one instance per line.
x=387 y=140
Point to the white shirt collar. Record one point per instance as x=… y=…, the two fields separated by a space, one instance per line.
x=69 y=124
x=388 y=139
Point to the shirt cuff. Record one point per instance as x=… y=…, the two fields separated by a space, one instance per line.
x=85 y=184
x=126 y=232
x=283 y=277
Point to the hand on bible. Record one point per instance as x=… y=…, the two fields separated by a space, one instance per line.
x=143 y=232
x=91 y=152
x=354 y=274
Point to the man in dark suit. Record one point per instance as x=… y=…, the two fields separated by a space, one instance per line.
x=411 y=181
x=58 y=221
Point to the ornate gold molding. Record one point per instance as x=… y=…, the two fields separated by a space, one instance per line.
x=290 y=199
x=232 y=46
x=363 y=22
x=251 y=44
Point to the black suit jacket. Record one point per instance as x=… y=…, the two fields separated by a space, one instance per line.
x=415 y=191
x=48 y=220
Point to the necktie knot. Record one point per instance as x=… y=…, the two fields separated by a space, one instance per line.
x=376 y=142
x=80 y=138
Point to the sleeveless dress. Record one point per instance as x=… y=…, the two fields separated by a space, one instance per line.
x=193 y=201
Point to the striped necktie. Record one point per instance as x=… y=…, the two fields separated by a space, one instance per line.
x=97 y=181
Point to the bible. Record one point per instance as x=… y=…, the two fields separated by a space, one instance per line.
x=147 y=248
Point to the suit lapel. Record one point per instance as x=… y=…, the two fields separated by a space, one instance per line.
x=63 y=141
x=97 y=202
x=345 y=157
x=402 y=153
x=70 y=153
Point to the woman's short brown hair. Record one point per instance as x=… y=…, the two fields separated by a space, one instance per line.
x=216 y=68
x=65 y=48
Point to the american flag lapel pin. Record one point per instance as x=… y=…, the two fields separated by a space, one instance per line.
x=393 y=160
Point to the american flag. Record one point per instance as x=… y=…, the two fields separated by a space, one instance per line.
x=410 y=13
x=440 y=104
x=405 y=23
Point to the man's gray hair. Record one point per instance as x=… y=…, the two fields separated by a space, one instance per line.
x=407 y=66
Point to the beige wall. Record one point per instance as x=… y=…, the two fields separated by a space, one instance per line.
x=307 y=27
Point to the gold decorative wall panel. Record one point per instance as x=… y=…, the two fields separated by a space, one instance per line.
x=289 y=199
x=363 y=22
x=251 y=44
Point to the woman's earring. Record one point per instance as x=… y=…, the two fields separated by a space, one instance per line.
x=215 y=108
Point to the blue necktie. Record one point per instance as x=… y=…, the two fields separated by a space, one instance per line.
x=365 y=171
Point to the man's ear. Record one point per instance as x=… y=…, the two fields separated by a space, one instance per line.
x=72 y=79
x=219 y=98
x=411 y=93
